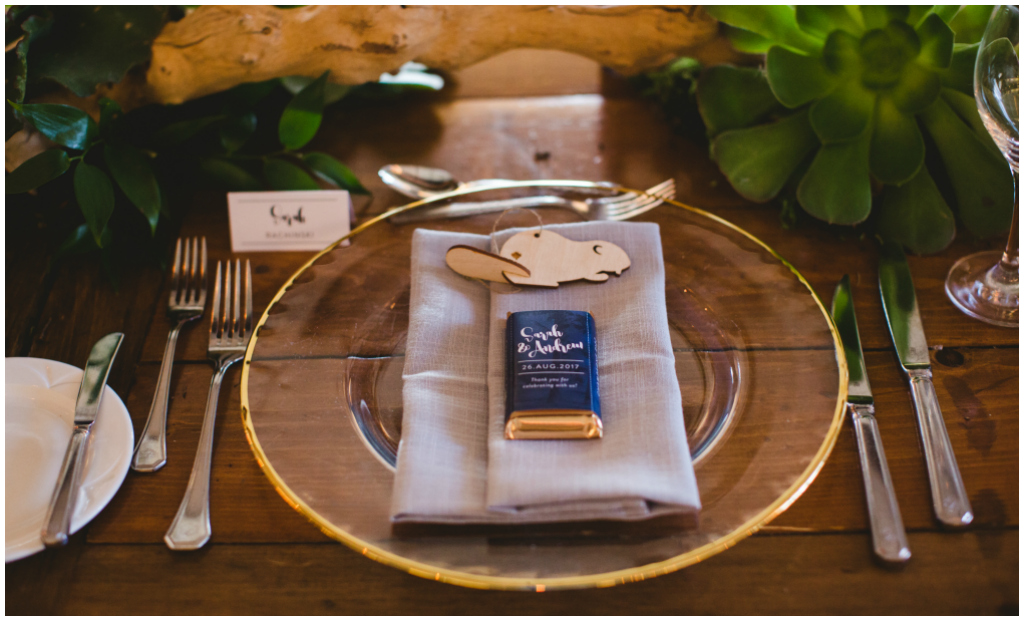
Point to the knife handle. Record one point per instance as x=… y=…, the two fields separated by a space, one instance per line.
x=65 y=495
x=887 y=532
x=949 y=498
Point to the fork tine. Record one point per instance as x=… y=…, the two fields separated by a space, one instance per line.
x=247 y=328
x=193 y=274
x=215 y=319
x=186 y=273
x=669 y=191
x=202 y=275
x=628 y=197
x=639 y=209
x=229 y=322
x=176 y=272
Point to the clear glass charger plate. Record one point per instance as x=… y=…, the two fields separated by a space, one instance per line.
x=758 y=360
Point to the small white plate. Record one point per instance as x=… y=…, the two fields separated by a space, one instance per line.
x=40 y=411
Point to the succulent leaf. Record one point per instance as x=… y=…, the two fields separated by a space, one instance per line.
x=884 y=52
x=746 y=41
x=841 y=53
x=917 y=89
x=774 y=22
x=946 y=12
x=822 y=20
x=897 y=146
x=967 y=109
x=759 y=160
x=796 y=78
x=877 y=16
x=842 y=114
x=837 y=186
x=733 y=97
x=981 y=179
x=916 y=13
x=916 y=215
x=960 y=74
x=969 y=23
x=936 y=42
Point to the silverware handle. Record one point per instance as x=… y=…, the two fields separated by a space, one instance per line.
x=65 y=496
x=191 y=529
x=949 y=498
x=151 y=451
x=462 y=210
x=887 y=532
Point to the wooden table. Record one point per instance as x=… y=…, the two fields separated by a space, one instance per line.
x=265 y=558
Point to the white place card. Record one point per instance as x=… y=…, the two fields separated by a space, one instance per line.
x=299 y=220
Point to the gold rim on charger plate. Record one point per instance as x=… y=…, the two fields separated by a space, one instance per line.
x=624 y=576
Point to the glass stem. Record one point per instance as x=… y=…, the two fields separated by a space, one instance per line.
x=1011 y=260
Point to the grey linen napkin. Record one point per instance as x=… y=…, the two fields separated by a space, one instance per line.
x=454 y=465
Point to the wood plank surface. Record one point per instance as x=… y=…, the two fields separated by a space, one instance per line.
x=951 y=574
x=576 y=122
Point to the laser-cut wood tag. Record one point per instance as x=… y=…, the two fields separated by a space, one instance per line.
x=540 y=258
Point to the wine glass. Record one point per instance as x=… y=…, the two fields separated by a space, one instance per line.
x=985 y=285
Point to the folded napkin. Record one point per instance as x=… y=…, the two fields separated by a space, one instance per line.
x=454 y=465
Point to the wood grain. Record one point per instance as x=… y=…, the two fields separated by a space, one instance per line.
x=950 y=574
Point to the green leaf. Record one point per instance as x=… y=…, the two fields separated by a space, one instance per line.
x=841 y=52
x=797 y=79
x=759 y=160
x=917 y=89
x=843 y=114
x=970 y=21
x=915 y=215
x=746 y=41
x=960 y=74
x=95 y=196
x=334 y=171
x=897 y=147
x=837 y=186
x=332 y=92
x=133 y=173
x=251 y=93
x=89 y=45
x=733 y=97
x=81 y=241
x=945 y=12
x=236 y=131
x=37 y=171
x=282 y=175
x=980 y=179
x=177 y=133
x=229 y=176
x=936 y=42
x=66 y=125
x=301 y=117
x=17 y=72
x=774 y=22
x=967 y=109
x=879 y=16
x=110 y=111
x=884 y=53
x=822 y=20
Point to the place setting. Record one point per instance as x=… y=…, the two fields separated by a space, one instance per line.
x=726 y=309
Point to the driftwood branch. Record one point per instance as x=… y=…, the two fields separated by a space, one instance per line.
x=217 y=47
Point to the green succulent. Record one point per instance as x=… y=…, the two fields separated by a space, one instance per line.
x=860 y=109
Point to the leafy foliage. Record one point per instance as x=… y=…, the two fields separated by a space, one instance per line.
x=845 y=115
x=127 y=165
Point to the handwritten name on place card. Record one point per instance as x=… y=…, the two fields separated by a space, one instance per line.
x=301 y=220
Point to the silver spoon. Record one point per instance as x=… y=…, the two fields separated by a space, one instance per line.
x=425 y=182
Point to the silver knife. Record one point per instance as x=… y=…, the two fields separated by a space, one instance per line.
x=94 y=379
x=887 y=532
x=949 y=498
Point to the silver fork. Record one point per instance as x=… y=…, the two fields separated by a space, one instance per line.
x=187 y=302
x=229 y=336
x=619 y=207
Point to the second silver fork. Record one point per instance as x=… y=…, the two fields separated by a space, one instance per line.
x=230 y=330
x=187 y=302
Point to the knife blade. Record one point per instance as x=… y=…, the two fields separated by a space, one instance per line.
x=87 y=407
x=888 y=536
x=899 y=300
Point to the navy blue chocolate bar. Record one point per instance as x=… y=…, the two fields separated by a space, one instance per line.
x=551 y=376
